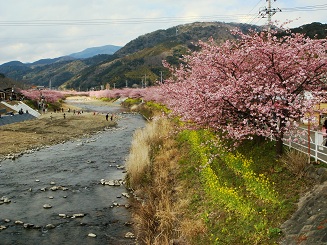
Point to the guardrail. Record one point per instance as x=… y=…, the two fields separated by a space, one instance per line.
x=309 y=142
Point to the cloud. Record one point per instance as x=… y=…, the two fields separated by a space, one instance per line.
x=36 y=29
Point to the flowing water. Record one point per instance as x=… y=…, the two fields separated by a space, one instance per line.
x=57 y=195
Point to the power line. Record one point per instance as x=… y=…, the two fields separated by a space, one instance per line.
x=255 y=16
x=269 y=12
x=118 y=21
x=255 y=6
x=314 y=8
x=131 y=21
x=306 y=8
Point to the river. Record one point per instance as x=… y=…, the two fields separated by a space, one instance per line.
x=55 y=196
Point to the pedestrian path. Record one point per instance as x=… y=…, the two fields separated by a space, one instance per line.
x=22 y=106
x=119 y=101
x=15 y=116
x=8 y=119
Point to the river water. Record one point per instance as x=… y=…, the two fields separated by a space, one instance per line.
x=44 y=189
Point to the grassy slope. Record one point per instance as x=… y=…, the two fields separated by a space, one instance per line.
x=194 y=192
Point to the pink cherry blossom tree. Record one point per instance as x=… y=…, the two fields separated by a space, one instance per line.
x=48 y=95
x=251 y=86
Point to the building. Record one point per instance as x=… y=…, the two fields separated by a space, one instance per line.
x=10 y=94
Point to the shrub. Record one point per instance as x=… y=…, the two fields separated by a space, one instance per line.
x=296 y=162
x=152 y=167
x=144 y=144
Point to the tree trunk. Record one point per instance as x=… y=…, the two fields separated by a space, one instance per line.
x=279 y=146
x=259 y=139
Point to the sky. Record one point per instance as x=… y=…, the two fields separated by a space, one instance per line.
x=37 y=29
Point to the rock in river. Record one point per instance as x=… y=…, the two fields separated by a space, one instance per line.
x=47 y=206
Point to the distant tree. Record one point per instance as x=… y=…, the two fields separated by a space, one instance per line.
x=48 y=95
x=251 y=86
x=313 y=30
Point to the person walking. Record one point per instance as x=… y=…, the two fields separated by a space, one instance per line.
x=107 y=116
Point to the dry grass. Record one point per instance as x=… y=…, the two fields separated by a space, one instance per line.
x=191 y=228
x=139 y=159
x=159 y=217
x=296 y=162
x=43 y=131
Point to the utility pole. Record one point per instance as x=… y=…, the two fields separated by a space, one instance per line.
x=268 y=12
x=160 y=77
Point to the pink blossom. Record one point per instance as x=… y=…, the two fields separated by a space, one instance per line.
x=252 y=86
x=47 y=95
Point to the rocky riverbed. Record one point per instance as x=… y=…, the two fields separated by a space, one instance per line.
x=70 y=193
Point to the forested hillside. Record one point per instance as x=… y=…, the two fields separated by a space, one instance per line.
x=140 y=60
x=138 y=63
x=10 y=83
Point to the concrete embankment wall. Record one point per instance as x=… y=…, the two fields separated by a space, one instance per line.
x=8 y=119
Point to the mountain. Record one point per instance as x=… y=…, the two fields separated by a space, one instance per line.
x=14 y=70
x=138 y=62
x=13 y=63
x=90 y=52
x=141 y=59
x=10 y=83
x=50 y=61
x=313 y=30
x=58 y=70
x=185 y=35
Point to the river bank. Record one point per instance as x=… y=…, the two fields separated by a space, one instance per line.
x=52 y=128
x=306 y=226
x=179 y=208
